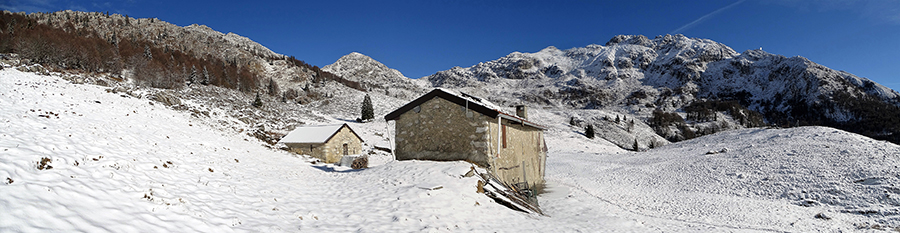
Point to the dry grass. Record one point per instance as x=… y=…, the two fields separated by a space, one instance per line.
x=44 y=164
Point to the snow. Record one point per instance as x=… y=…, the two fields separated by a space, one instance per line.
x=125 y=164
x=311 y=134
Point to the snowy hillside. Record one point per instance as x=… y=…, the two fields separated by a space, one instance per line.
x=77 y=157
x=638 y=75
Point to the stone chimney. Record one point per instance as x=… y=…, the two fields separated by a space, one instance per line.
x=522 y=111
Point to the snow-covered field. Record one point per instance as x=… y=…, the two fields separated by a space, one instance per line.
x=124 y=164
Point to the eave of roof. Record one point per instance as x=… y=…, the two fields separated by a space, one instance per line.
x=335 y=132
x=348 y=127
x=461 y=101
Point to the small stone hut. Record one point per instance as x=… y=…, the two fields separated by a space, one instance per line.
x=328 y=143
x=445 y=126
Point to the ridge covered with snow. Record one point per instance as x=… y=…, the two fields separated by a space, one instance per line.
x=637 y=75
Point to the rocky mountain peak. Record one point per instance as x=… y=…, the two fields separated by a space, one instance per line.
x=374 y=75
x=358 y=67
x=631 y=39
x=357 y=59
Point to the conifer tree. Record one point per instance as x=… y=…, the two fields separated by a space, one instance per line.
x=257 y=102
x=272 y=87
x=572 y=121
x=205 y=80
x=368 y=112
x=636 y=146
x=192 y=77
x=589 y=131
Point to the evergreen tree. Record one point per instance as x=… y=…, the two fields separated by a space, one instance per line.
x=636 y=146
x=572 y=121
x=258 y=102
x=147 y=52
x=617 y=119
x=272 y=87
x=368 y=112
x=205 y=80
x=589 y=131
x=192 y=78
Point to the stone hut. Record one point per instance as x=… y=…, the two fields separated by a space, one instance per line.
x=328 y=143
x=445 y=126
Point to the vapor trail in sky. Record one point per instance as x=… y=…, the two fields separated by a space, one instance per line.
x=705 y=17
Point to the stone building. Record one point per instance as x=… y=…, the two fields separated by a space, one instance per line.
x=328 y=143
x=445 y=126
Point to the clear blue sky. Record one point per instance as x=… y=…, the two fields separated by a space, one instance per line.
x=422 y=37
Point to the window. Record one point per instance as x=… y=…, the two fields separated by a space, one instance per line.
x=346 y=149
x=504 y=135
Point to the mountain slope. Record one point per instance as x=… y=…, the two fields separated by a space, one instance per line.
x=639 y=75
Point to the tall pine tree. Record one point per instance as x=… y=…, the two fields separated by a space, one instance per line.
x=368 y=112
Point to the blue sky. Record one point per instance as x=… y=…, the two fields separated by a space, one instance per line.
x=420 y=38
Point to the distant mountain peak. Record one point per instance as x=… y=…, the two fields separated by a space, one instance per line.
x=359 y=67
x=356 y=58
x=372 y=74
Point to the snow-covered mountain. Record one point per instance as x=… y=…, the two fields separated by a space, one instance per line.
x=376 y=76
x=638 y=75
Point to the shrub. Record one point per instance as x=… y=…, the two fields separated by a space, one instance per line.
x=589 y=131
x=44 y=164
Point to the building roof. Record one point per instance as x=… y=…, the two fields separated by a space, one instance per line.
x=315 y=134
x=462 y=99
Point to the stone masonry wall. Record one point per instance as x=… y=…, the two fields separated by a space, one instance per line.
x=441 y=130
x=523 y=159
x=311 y=149
x=444 y=131
x=333 y=150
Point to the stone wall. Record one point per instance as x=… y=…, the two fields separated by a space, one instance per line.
x=523 y=160
x=311 y=149
x=333 y=150
x=441 y=130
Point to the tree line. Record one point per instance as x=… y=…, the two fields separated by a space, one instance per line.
x=68 y=48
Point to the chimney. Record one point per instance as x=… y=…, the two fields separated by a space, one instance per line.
x=522 y=111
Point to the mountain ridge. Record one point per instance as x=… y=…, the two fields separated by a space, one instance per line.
x=639 y=75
